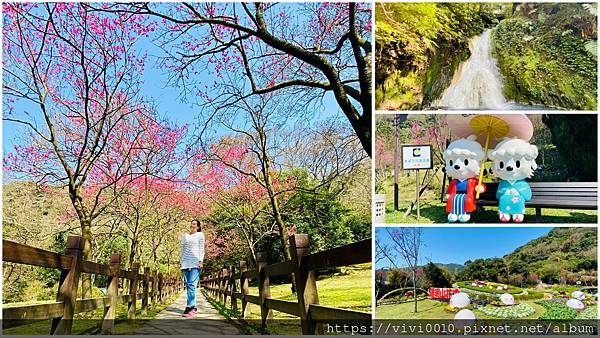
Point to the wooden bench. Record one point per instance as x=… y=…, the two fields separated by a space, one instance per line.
x=551 y=195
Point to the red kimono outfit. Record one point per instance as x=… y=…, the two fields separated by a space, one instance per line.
x=462 y=201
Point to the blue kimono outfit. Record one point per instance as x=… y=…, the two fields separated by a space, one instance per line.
x=458 y=202
x=511 y=204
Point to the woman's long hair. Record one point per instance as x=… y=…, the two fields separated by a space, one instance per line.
x=199 y=225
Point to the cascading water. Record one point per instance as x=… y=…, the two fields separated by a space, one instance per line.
x=477 y=83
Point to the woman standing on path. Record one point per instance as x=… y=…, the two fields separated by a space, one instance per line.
x=192 y=255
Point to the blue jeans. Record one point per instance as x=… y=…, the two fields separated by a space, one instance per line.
x=191 y=277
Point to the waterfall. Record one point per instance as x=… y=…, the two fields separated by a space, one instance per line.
x=477 y=83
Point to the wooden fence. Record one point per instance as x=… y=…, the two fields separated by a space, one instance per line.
x=155 y=288
x=229 y=283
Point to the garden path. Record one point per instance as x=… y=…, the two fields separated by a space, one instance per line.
x=208 y=321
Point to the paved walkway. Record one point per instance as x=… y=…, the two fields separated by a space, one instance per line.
x=207 y=321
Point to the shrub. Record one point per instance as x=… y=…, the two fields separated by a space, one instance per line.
x=37 y=290
x=530 y=295
x=557 y=311
x=590 y=313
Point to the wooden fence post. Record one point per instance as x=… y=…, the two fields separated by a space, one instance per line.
x=225 y=286
x=167 y=287
x=244 y=287
x=154 y=285
x=110 y=312
x=216 y=285
x=133 y=285
x=160 y=287
x=264 y=289
x=233 y=300
x=220 y=287
x=305 y=283
x=67 y=289
x=209 y=284
x=145 y=288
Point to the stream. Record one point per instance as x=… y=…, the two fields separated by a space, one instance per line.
x=477 y=83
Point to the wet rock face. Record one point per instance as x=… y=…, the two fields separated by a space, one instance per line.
x=478 y=83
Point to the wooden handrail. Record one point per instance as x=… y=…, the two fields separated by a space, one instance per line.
x=155 y=286
x=227 y=283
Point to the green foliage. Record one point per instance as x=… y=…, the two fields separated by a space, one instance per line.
x=115 y=244
x=591 y=312
x=398 y=278
x=37 y=290
x=557 y=311
x=321 y=217
x=50 y=276
x=418 y=47
x=547 y=56
x=13 y=292
x=489 y=269
x=575 y=139
x=436 y=277
x=531 y=295
x=562 y=253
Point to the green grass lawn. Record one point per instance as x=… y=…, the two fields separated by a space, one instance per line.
x=90 y=323
x=349 y=290
x=434 y=211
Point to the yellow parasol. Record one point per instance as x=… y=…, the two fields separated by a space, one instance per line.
x=490 y=129
x=490 y=126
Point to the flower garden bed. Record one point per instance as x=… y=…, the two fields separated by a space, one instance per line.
x=508 y=312
x=557 y=311
x=490 y=288
x=590 y=312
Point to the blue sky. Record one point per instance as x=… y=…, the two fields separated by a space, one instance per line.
x=457 y=245
x=165 y=97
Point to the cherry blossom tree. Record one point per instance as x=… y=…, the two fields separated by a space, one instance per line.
x=77 y=74
x=300 y=50
x=239 y=200
x=156 y=198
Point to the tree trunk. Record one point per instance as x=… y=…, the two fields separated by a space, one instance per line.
x=414 y=289
x=85 y=222
x=132 y=250
x=86 y=278
x=283 y=231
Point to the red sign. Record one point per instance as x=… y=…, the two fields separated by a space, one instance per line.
x=442 y=293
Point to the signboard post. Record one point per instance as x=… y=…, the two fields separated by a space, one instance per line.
x=417 y=157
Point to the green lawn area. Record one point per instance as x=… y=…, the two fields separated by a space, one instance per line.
x=434 y=211
x=491 y=288
x=431 y=309
x=90 y=323
x=348 y=290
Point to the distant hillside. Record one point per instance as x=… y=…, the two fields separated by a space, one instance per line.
x=451 y=267
x=570 y=249
x=32 y=215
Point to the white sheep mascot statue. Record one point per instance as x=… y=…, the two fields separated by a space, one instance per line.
x=463 y=161
x=513 y=160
